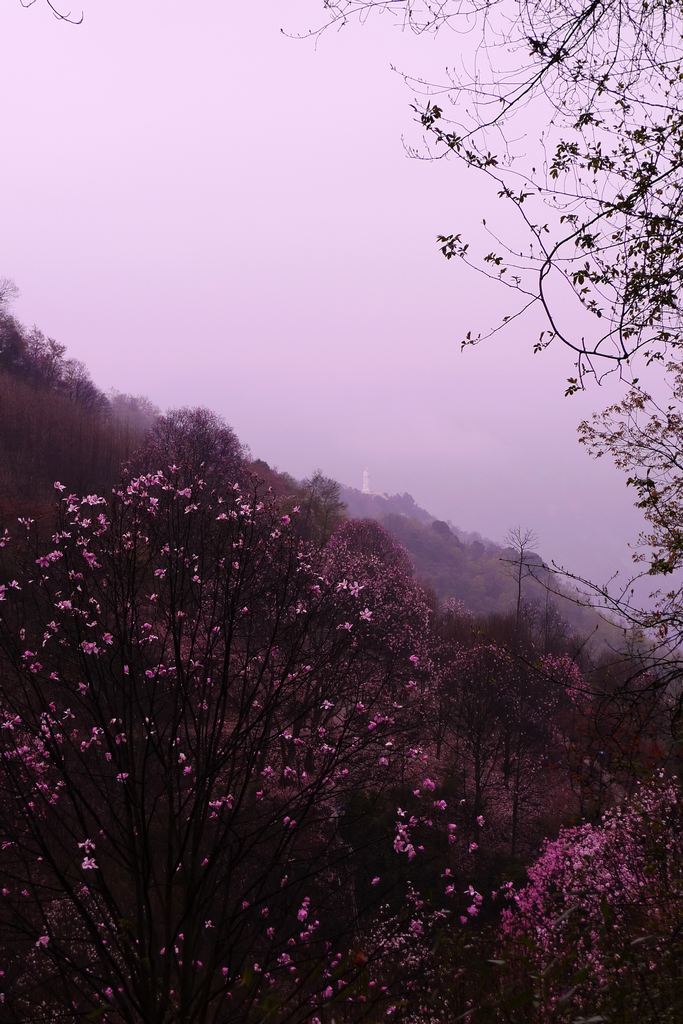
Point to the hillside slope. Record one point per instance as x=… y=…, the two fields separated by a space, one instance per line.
x=466 y=567
x=56 y=424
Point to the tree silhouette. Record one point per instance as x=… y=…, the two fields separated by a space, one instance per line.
x=597 y=201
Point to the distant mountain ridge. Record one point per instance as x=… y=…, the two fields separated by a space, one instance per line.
x=377 y=506
x=465 y=566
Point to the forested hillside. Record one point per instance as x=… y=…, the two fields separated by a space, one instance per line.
x=55 y=423
x=274 y=750
x=466 y=567
x=261 y=761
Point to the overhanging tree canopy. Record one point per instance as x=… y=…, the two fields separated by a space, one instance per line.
x=572 y=111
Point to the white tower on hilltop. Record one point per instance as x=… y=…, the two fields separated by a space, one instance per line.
x=366 y=482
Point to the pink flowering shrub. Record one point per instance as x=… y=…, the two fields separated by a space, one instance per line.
x=599 y=926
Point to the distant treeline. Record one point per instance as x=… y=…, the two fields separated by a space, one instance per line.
x=55 y=423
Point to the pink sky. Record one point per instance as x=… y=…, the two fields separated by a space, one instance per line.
x=209 y=212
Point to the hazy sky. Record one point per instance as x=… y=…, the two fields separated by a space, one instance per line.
x=209 y=212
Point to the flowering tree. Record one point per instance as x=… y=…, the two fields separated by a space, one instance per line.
x=191 y=696
x=597 y=931
x=198 y=442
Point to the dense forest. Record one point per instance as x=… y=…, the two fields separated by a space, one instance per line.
x=264 y=758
